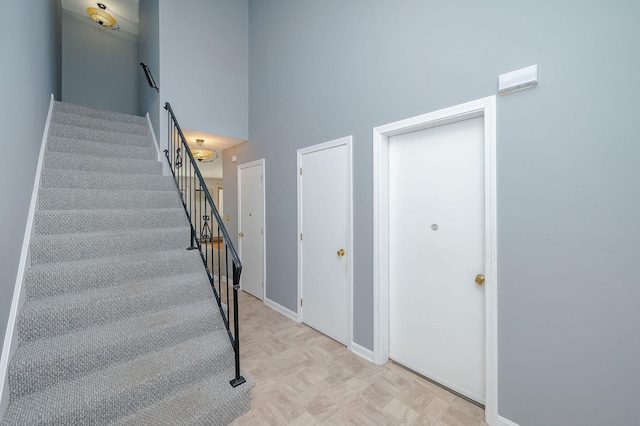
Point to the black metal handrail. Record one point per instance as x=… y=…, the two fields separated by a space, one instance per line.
x=199 y=207
x=150 y=79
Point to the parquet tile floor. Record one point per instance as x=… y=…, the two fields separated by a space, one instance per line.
x=303 y=377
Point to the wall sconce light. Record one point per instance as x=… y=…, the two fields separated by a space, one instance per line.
x=100 y=15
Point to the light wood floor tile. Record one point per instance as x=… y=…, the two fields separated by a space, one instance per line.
x=469 y=408
x=415 y=397
x=357 y=383
x=379 y=394
x=310 y=394
x=312 y=374
x=347 y=411
x=401 y=411
x=371 y=415
x=305 y=419
x=293 y=385
x=322 y=407
x=340 y=393
x=303 y=377
x=285 y=409
x=432 y=413
x=454 y=417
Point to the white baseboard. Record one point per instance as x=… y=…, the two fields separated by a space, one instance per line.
x=166 y=171
x=10 y=344
x=362 y=351
x=284 y=311
x=505 y=422
x=161 y=155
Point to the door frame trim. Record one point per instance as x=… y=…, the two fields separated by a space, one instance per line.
x=348 y=141
x=260 y=163
x=486 y=108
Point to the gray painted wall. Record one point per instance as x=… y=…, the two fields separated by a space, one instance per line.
x=30 y=43
x=204 y=57
x=568 y=190
x=149 y=53
x=99 y=66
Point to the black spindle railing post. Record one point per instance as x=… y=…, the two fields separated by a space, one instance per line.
x=238 y=380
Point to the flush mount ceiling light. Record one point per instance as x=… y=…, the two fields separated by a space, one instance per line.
x=100 y=15
x=200 y=153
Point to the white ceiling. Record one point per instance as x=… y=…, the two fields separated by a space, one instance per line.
x=125 y=11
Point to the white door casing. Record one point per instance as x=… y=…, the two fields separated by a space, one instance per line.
x=324 y=229
x=251 y=228
x=485 y=108
x=436 y=249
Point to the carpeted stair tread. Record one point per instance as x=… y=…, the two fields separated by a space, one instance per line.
x=57 y=222
x=84 y=111
x=74 y=132
x=100 y=149
x=71 y=312
x=96 y=199
x=80 y=179
x=71 y=355
x=126 y=166
x=69 y=247
x=110 y=394
x=200 y=404
x=47 y=280
x=99 y=123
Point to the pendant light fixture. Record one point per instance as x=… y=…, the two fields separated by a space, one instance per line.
x=100 y=15
x=201 y=153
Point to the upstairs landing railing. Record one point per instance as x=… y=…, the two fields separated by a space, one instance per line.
x=208 y=234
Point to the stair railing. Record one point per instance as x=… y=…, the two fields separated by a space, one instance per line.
x=208 y=233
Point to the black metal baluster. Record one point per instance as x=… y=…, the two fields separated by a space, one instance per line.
x=219 y=263
x=226 y=262
x=238 y=380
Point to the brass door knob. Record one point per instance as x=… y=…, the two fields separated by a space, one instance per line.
x=480 y=279
x=241 y=234
x=341 y=252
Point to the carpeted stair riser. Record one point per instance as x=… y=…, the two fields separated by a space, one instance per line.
x=72 y=355
x=66 y=313
x=200 y=404
x=96 y=123
x=99 y=114
x=90 y=163
x=119 y=390
x=100 y=149
x=70 y=247
x=56 y=222
x=78 y=179
x=98 y=199
x=68 y=277
x=105 y=136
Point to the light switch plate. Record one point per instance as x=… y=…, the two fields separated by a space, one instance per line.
x=521 y=79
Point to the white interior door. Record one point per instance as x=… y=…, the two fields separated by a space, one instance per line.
x=436 y=249
x=324 y=212
x=251 y=247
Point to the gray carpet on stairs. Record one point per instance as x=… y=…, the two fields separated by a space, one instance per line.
x=119 y=323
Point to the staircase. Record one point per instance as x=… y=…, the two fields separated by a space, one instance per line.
x=119 y=323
